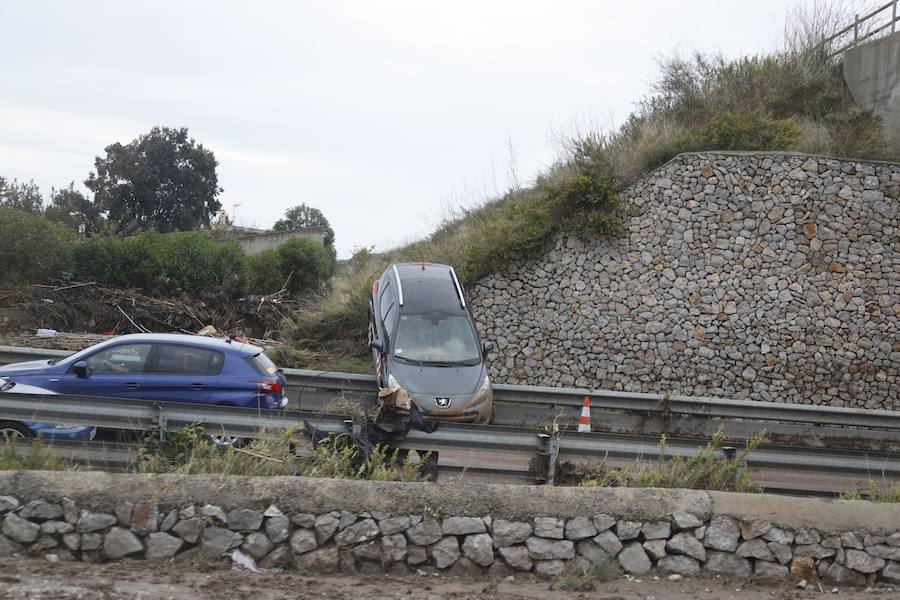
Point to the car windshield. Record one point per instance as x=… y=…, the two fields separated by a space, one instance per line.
x=436 y=339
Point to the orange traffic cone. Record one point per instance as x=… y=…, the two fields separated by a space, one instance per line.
x=584 y=423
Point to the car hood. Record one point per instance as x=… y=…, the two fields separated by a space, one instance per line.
x=26 y=368
x=437 y=380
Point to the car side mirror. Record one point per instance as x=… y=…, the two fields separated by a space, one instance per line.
x=486 y=347
x=80 y=368
x=377 y=345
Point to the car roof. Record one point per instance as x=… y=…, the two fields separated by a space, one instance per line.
x=429 y=287
x=423 y=270
x=183 y=338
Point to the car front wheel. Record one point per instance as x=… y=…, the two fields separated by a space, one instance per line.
x=12 y=432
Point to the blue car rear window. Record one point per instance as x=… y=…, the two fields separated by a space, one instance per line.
x=262 y=364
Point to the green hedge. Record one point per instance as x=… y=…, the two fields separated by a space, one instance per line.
x=299 y=265
x=32 y=248
x=36 y=250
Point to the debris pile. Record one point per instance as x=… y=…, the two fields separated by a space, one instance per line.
x=88 y=307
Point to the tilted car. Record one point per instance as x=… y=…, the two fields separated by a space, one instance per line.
x=423 y=340
x=162 y=367
x=14 y=430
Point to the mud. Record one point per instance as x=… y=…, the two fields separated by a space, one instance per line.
x=38 y=579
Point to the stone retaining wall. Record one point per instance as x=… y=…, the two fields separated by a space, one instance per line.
x=432 y=527
x=764 y=276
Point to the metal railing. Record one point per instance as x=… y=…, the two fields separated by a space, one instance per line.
x=314 y=390
x=479 y=444
x=858 y=34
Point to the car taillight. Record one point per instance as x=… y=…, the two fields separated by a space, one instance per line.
x=268 y=387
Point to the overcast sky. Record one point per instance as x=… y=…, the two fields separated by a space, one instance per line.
x=381 y=114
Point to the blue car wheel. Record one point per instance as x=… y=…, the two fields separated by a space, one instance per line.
x=12 y=432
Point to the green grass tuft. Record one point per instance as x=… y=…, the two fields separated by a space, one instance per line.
x=38 y=458
x=704 y=471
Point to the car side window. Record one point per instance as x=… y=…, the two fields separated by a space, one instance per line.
x=385 y=300
x=187 y=360
x=125 y=358
x=389 y=318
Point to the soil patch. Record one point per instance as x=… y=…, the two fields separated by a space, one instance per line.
x=38 y=579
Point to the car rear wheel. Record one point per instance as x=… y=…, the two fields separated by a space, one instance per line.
x=12 y=432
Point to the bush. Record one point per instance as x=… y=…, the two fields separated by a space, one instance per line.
x=748 y=131
x=299 y=265
x=32 y=248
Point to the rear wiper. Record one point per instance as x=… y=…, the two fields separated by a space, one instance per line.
x=52 y=361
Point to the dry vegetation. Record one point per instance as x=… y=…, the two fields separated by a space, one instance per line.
x=790 y=99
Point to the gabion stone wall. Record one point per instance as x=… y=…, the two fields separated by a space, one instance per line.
x=756 y=276
x=681 y=543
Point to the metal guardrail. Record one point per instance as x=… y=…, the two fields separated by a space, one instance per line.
x=856 y=25
x=481 y=443
x=316 y=389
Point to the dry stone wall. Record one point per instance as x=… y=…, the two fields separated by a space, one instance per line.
x=768 y=277
x=395 y=536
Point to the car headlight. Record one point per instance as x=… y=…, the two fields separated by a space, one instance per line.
x=485 y=385
x=392 y=381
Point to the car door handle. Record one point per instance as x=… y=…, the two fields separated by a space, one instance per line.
x=197 y=386
x=131 y=386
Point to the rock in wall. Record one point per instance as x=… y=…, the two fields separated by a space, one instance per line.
x=761 y=276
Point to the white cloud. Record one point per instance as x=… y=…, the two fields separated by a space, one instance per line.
x=374 y=111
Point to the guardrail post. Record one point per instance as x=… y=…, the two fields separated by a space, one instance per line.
x=162 y=421
x=893 y=16
x=855 y=28
x=549 y=447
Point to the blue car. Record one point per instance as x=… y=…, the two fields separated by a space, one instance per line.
x=162 y=367
x=15 y=430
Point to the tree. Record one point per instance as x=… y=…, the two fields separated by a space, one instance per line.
x=24 y=196
x=305 y=216
x=71 y=208
x=162 y=180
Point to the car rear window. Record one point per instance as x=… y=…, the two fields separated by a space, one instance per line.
x=188 y=360
x=262 y=364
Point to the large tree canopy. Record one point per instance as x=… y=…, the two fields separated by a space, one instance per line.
x=162 y=180
x=72 y=208
x=305 y=216
x=24 y=196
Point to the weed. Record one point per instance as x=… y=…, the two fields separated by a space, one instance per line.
x=575 y=579
x=704 y=471
x=38 y=458
x=875 y=493
x=337 y=457
x=190 y=451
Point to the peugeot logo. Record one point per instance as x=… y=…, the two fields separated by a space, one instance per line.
x=442 y=402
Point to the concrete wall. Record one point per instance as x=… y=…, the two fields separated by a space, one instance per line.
x=872 y=72
x=762 y=276
x=254 y=244
x=462 y=529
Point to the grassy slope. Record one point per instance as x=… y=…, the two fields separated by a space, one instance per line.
x=795 y=99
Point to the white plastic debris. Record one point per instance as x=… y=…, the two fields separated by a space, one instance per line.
x=46 y=333
x=674 y=577
x=243 y=562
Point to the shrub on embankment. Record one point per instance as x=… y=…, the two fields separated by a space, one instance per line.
x=791 y=99
x=36 y=250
